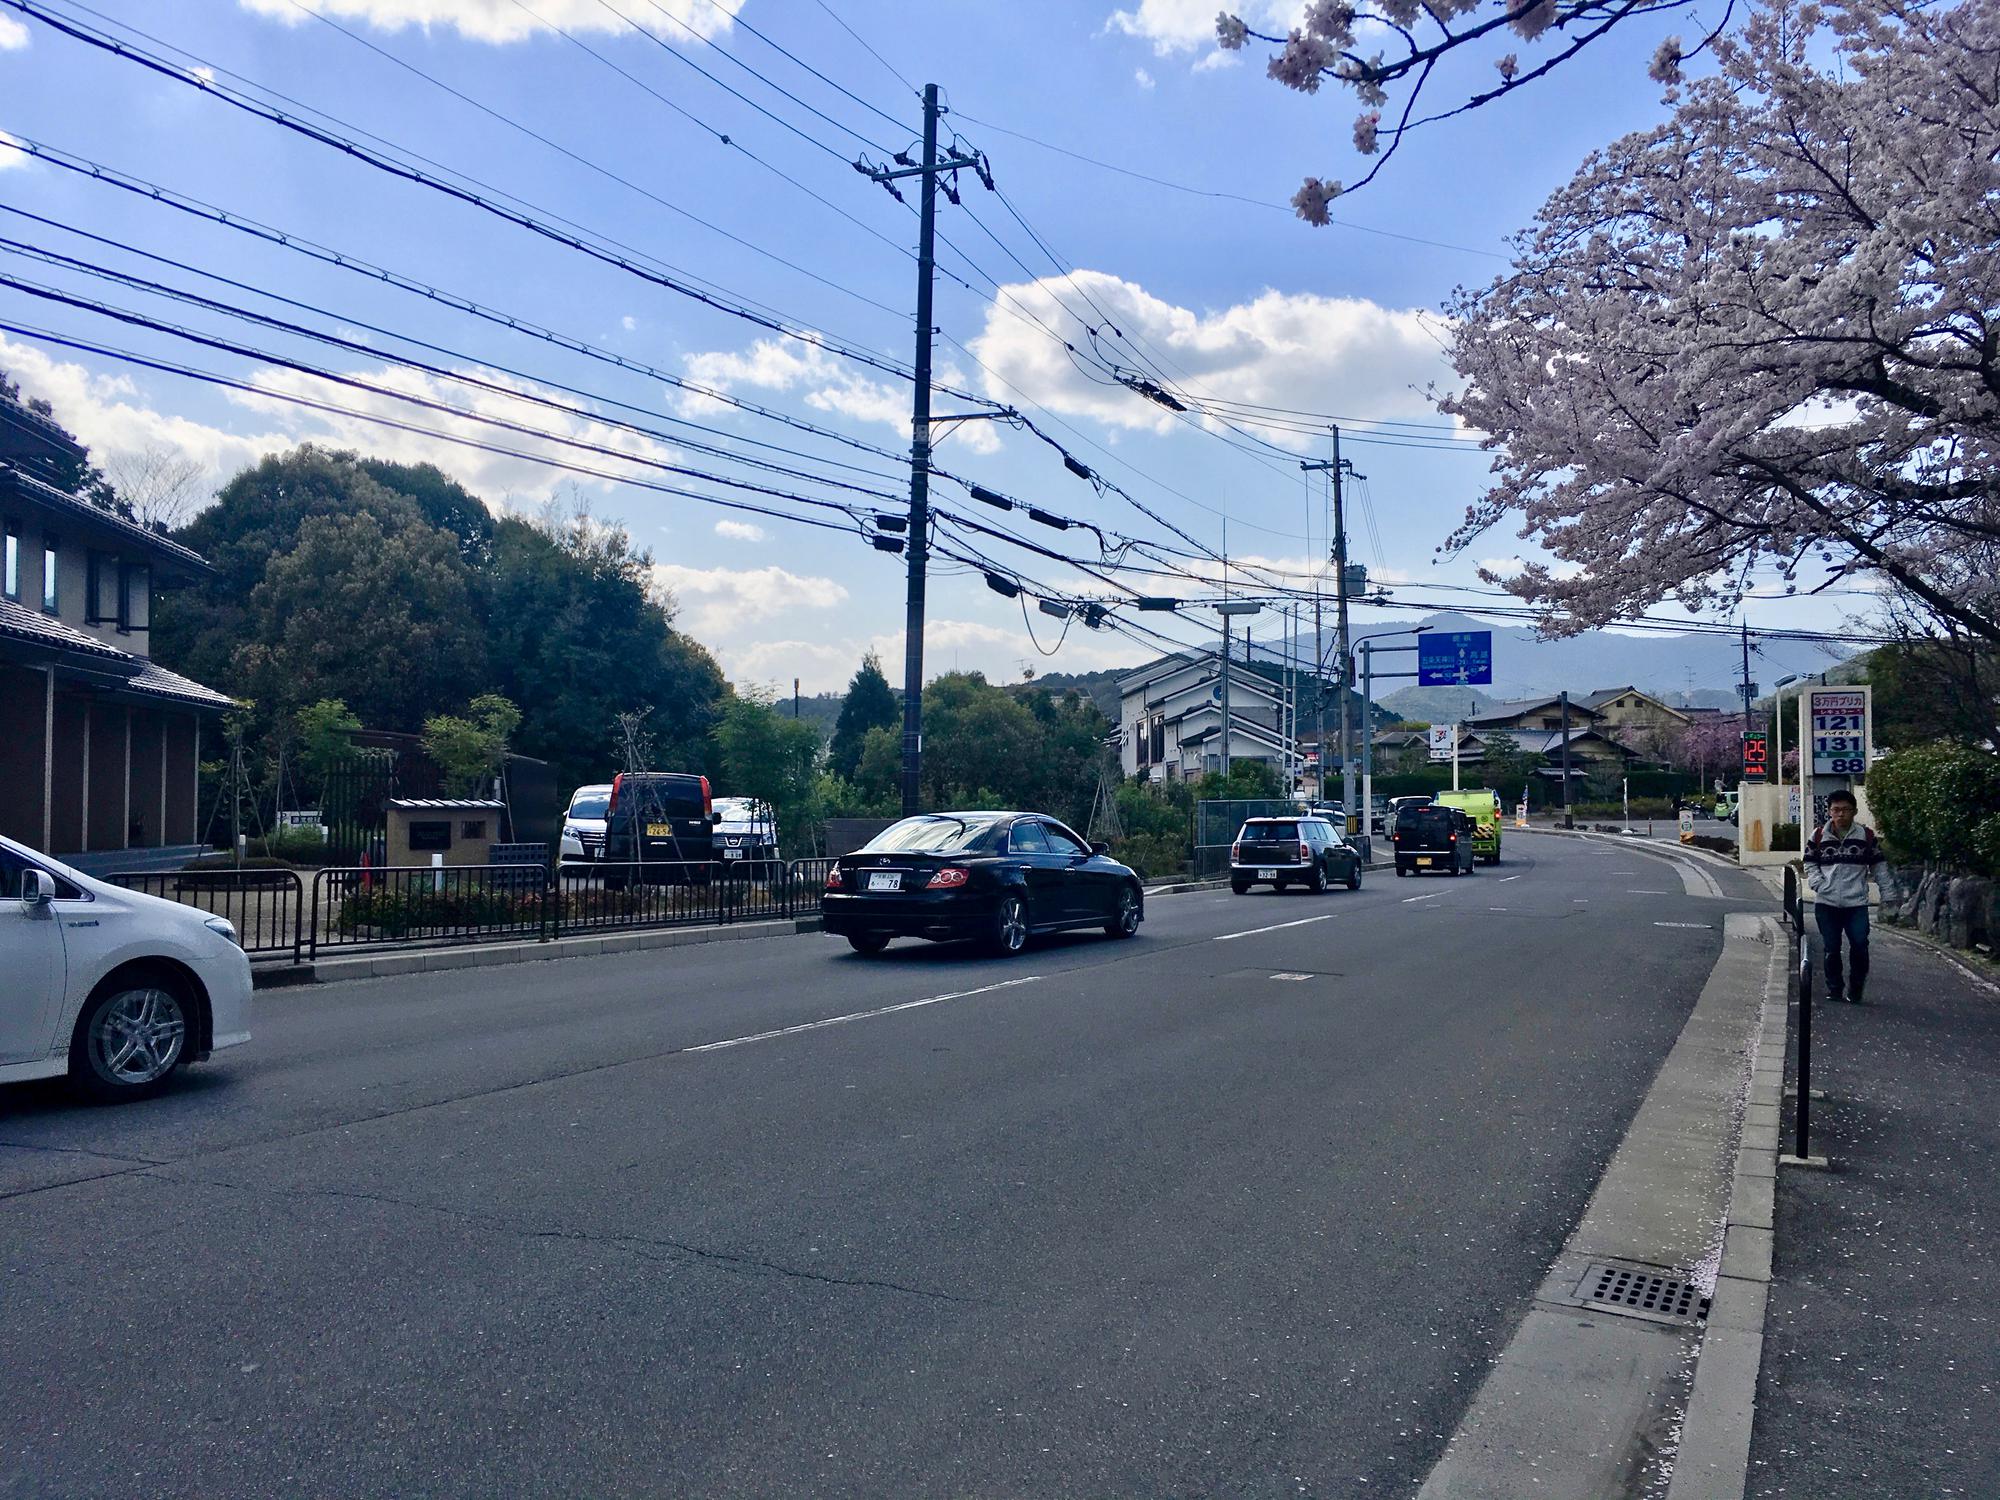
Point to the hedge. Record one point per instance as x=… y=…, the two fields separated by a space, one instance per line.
x=1939 y=804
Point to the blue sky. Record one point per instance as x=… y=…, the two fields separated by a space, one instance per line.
x=1238 y=299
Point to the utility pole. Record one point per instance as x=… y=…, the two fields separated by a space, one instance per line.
x=917 y=544
x=1567 y=823
x=1225 y=695
x=1338 y=468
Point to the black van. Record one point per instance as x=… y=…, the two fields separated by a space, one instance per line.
x=1433 y=839
x=664 y=818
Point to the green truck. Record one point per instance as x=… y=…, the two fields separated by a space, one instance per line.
x=1482 y=805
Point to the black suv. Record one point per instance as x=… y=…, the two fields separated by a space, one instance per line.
x=1303 y=851
x=665 y=819
x=1433 y=840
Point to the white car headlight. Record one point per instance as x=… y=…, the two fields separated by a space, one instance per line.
x=223 y=927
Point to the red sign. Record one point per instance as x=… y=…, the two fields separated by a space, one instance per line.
x=1756 y=755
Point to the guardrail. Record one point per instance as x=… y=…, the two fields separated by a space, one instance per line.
x=266 y=907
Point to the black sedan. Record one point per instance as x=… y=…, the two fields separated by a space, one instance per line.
x=994 y=877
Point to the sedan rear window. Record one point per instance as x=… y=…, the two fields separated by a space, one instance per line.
x=934 y=834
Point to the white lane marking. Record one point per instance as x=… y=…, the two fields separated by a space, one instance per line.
x=1431 y=897
x=1702 y=925
x=1230 y=937
x=1496 y=908
x=1297 y=978
x=1579 y=901
x=1646 y=893
x=859 y=1015
x=1505 y=878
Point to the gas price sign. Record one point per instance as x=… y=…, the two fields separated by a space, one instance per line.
x=1756 y=755
x=1838 y=723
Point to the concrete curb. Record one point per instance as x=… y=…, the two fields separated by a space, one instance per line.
x=1713 y=1459
x=482 y=955
x=1584 y=1401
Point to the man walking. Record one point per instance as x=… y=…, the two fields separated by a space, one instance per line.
x=1839 y=858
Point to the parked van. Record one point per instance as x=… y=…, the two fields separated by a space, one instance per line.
x=1483 y=807
x=664 y=818
x=583 y=823
x=116 y=989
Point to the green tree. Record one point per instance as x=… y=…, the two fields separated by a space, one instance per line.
x=323 y=731
x=767 y=755
x=879 y=776
x=870 y=704
x=1505 y=766
x=471 y=750
x=381 y=619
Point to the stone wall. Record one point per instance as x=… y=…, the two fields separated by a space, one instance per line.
x=1962 y=910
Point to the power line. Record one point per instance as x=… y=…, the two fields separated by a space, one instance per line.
x=728 y=303
x=783 y=51
x=298 y=244
x=897 y=75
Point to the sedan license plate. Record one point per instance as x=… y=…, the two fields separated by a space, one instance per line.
x=1267 y=874
x=1423 y=859
x=732 y=853
x=885 y=882
x=659 y=830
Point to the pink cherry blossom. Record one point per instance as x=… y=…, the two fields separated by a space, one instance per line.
x=1364 y=132
x=1312 y=198
x=1666 y=66
x=1763 y=332
x=1230 y=31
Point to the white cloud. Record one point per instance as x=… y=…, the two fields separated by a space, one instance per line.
x=717 y=602
x=1343 y=355
x=12 y=157
x=13 y=35
x=1174 y=26
x=1141 y=77
x=108 y=413
x=493 y=476
x=504 y=21
x=204 y=72
x=1500 y=567
x=628 y=323
x=739 y=531
x=825 y=665
x=830 y=384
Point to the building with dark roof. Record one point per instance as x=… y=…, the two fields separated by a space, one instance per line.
x=99 y=744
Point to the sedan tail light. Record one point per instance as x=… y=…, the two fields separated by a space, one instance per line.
x=949 y=879
x=833 y=881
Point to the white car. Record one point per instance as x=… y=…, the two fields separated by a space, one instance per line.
x=745 y=829
x=583 y=824
x=114 y=988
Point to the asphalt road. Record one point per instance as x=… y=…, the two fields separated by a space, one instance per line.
x=1216 y=1211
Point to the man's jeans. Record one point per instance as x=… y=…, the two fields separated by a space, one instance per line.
x=1833 y=921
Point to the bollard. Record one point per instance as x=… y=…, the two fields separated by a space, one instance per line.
x=1795 y=911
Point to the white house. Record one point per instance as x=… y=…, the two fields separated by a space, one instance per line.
x=1170 y=717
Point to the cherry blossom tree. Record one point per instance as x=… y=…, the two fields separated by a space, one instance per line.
x=1336 y=42
x=1764 y=334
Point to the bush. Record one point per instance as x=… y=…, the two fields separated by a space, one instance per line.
x=1153 y=854
x=398 y=910
x=1935 y=804
x=1717 y=845
x=1642 y=807
x=1784 y=836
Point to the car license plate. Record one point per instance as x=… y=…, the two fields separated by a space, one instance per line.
x=888 y=882
x=1423 y=859
x=732 y=853
x=1267 y=874
x=659 y=830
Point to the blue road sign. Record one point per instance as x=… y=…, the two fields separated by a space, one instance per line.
x=1456 y=658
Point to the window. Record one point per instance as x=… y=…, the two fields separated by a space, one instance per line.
x=1061 y=841
x=13 y=867
x=99 y=580
x=1027 y=838
x=135 y=597
x=472 y=829
x=931 y=833
x=13 y=561
x=50 y=596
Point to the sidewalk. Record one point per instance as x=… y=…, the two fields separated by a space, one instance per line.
x=1881 y=1351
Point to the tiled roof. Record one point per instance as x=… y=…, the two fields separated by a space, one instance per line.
x=58 y=500
x=48 y=430
x=22 y=623
x=447 y=804
x=156 y=681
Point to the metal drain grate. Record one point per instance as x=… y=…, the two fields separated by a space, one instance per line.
x=1645 y=1292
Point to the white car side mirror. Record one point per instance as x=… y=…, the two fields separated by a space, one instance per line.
x=37 y=889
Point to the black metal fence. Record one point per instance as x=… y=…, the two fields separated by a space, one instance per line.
x=266 y=907
x=280 y=913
